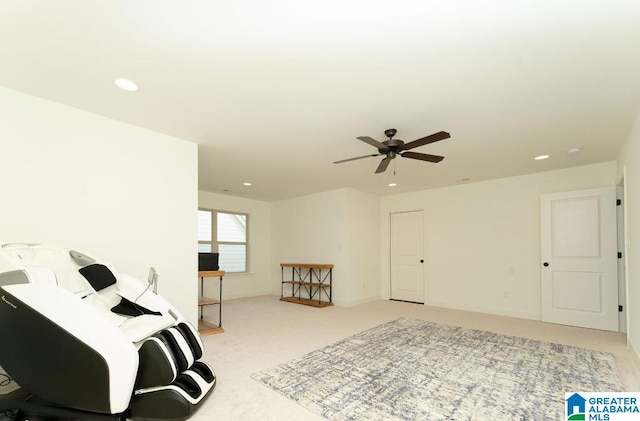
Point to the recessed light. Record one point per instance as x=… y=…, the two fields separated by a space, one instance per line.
x=126 y=84
x=392 y=184
x=575 y=149
x=541 y=157
x=246 y=184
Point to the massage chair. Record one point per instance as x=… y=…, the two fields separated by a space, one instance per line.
x=81 y=341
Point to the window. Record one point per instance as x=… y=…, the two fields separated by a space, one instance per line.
x=224 y=233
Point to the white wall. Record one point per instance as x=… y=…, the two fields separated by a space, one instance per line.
x=119 y=192
x=629 y=162
x=258 y=279
x=362 y=277
x=340 y=227
x=482 y=239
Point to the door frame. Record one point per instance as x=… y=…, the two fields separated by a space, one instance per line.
x=625 y=251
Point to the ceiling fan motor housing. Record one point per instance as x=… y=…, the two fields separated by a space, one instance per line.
x=390 y=132
x=392 y=145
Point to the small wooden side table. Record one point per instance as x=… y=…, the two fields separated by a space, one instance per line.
x=205 y=327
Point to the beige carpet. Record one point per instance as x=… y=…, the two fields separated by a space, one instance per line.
x=262 y=332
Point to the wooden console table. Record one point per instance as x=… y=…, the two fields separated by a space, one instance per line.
x=309 y=285
x=205 y=327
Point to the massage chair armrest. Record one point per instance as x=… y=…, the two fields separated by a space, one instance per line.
x=133 y=289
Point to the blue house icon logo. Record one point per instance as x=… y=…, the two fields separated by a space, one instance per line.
x=576 y=407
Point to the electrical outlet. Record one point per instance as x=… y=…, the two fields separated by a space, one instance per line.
x=505 y=294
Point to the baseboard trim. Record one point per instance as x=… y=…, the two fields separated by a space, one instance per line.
x=486 y=310
x=245 y=295
x=352 y=303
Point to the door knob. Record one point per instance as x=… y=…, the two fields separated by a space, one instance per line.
x=545 y=264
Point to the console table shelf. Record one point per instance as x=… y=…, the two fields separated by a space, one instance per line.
x=205 y=327
x=206 y=301
x=309 y=284
x=306 y=302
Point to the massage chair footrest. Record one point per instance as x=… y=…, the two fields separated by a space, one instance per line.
x=177 y=401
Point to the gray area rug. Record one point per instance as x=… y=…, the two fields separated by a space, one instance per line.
x=416 y=370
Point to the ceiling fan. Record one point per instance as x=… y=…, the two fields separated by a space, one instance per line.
x=394 y=147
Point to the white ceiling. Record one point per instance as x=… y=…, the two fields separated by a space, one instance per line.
x=275 y=91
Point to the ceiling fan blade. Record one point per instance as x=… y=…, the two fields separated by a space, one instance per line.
x=383 y=165
x=372 y=142
x=425 y=140
x=358 y=157
x=422 y=156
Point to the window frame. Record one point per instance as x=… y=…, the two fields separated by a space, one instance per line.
x=214 y=235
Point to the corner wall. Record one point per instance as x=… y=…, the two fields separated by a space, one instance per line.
x=122 y=193
x=340 y=227
x=363 y=247
x=482 y=240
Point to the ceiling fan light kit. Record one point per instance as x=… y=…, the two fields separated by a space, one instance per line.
x=394 y=147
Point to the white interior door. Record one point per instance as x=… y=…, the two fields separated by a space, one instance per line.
x=579 y=284
x=407 y=259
